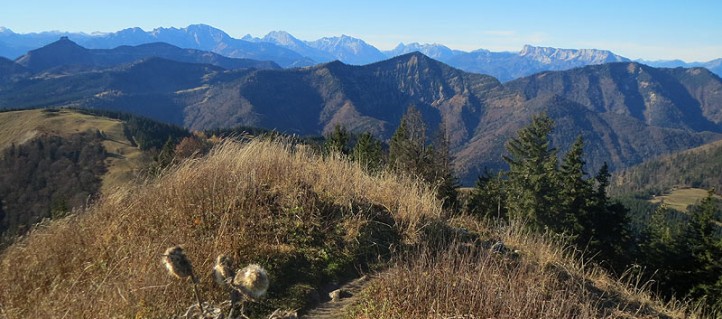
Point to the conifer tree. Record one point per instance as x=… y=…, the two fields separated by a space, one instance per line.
x=337 y=141
x=166 y=157
x=662 y=234
x=663 y=249
x=604 y=230
x=532 y=174
x=408 y=153
x=575 y=191
x=602 y=179
x=2 y=216
x=367 y=152
x=442 y=171
x=705 y=246
x=488 y=198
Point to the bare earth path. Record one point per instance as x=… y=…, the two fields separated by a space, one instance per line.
x=335 y=309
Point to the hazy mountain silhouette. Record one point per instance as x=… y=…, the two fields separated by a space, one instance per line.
x=10 y=70
x=199 y=37
x=65 y=54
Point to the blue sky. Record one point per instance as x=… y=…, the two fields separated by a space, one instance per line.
x=690 y=30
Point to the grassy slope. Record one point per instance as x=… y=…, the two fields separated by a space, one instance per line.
x=123 y=161
x=682 y=198
x=301 y=217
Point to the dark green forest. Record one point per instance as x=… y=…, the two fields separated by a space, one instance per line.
x=48 y=176
x=146 y=133
x=680 y=253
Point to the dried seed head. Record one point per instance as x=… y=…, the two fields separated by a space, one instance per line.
x=223 y=270
x=252 y=281
x=177 y=263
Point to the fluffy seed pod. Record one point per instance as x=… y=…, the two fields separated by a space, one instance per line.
x=177 y=263
x=223 y=270
x=252 y=281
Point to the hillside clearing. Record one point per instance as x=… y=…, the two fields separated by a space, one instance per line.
x=681 y=198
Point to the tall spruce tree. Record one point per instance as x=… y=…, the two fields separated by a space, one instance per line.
x=408 y=153
x=2 y=216
x=705 y=245
x=166 y=156
x=367 y=152
x=664 y=250
x=575 y=191
x=531 y=191
x=446 y=181
x=605 y=230
x=337 y=141
x=488 y=199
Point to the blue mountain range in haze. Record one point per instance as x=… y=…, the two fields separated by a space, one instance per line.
x=288 y=51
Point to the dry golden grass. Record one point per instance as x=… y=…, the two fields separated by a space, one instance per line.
x=264 y=202
x=125 y=161
x=467 y=280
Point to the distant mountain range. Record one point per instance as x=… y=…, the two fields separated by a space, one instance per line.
x=714 y=65
x=288 y=51
x=65 y=54
x=627 y=111
x=199 y=37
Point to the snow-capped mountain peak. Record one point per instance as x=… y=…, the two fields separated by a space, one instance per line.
x=549 y=55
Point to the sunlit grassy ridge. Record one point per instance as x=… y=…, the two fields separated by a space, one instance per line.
x=19 y=127
x=308 y=220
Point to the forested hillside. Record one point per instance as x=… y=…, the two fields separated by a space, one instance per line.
x=699 y=168
x=52 y=161
x=48 y=176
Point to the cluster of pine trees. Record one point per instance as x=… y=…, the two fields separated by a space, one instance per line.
x=551 y=196
x=685 y=251
x=409 y=152
x=684 y=256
